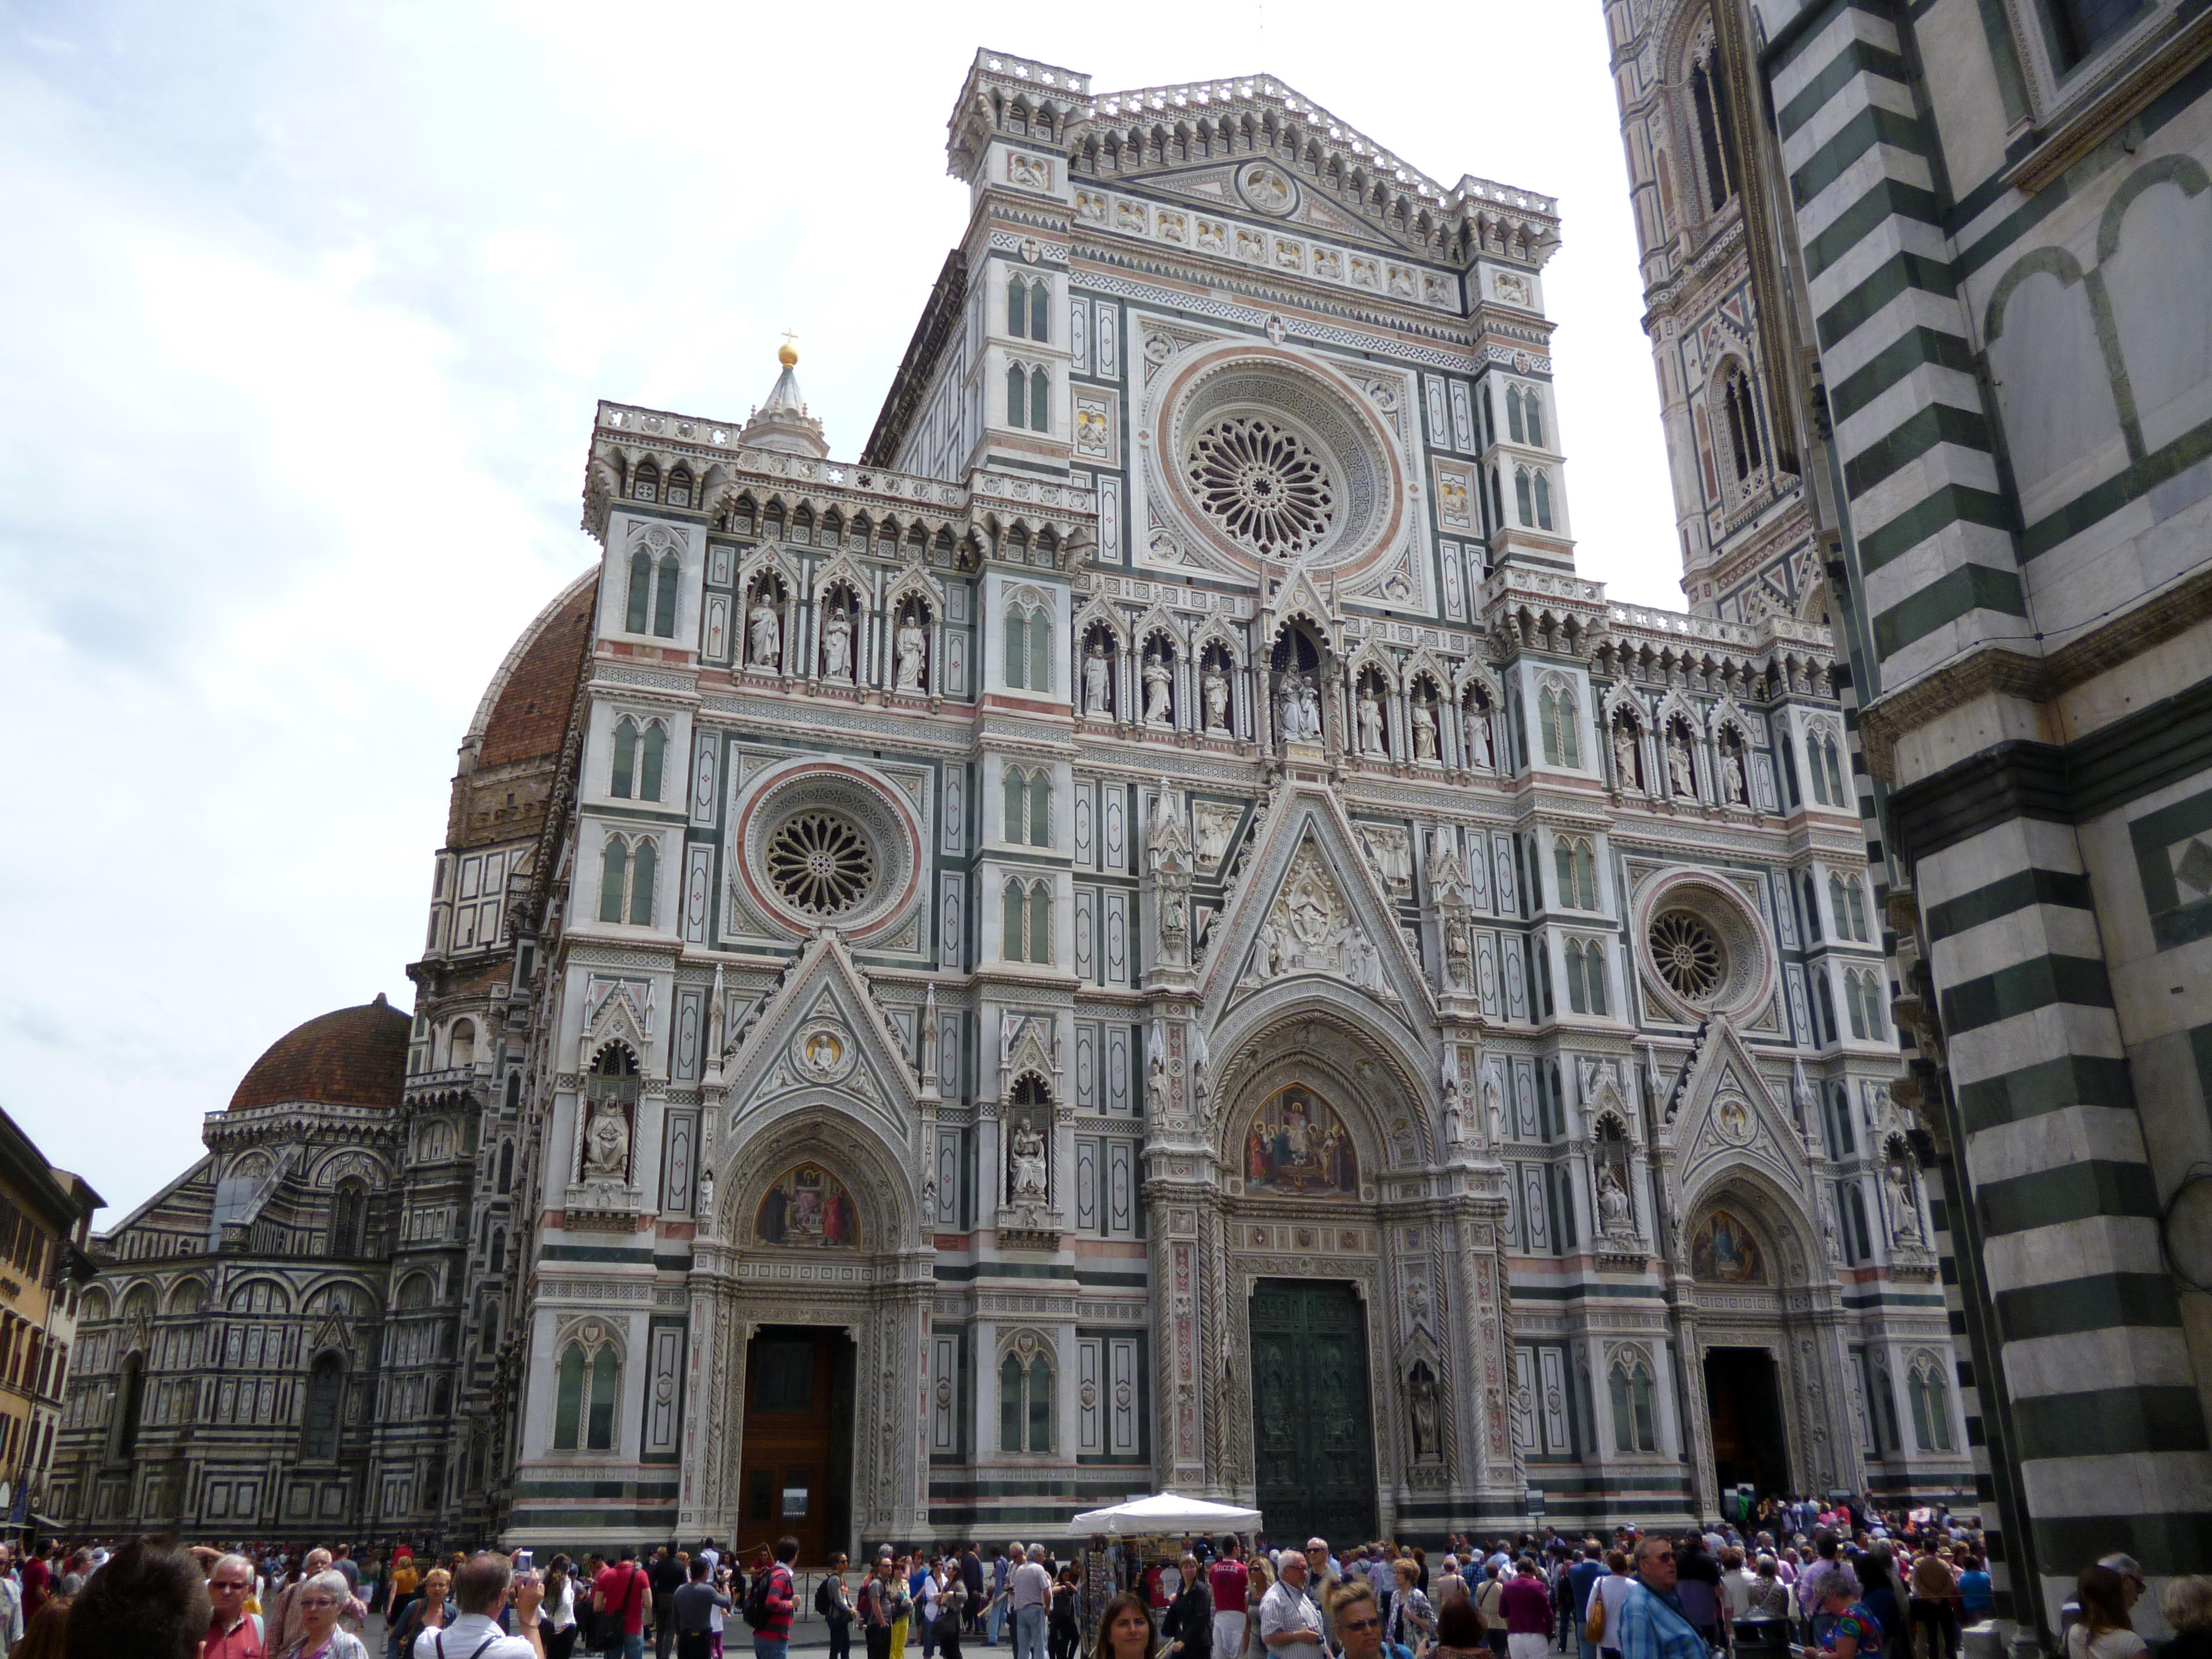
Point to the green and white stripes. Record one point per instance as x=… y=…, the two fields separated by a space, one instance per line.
x=1937 y=563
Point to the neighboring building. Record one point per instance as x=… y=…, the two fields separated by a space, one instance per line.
x=1149 y=932
x=1923 y=289
x=45 y=1215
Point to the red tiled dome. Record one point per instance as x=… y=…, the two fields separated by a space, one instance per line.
x=532 y=714
x=348 y=1057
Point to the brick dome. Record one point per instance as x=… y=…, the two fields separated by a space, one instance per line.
x=347 y=1057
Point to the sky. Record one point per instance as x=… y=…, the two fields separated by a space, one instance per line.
x=303 y=317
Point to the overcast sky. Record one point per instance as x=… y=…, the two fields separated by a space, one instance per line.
x=303 y=315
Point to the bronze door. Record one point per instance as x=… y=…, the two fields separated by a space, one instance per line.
x=1312 y=1437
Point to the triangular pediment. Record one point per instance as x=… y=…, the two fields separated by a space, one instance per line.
x=1312 y=904
x=822 y=1031
x=1727 y=1116
x=1320 y=209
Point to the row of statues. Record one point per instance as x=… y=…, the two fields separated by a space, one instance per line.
x=910 y=643
x=1681 y=772
x=1157 y=677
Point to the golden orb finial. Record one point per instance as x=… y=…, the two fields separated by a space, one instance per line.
x=786 y=354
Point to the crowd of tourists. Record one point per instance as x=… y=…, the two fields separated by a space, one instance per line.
x=1818 y=1582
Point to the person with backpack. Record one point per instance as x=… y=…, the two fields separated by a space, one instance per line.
x=883 y=1606
x=770 y=1601
x=833 y=1603
x=623 y=1594
x=691 y=1612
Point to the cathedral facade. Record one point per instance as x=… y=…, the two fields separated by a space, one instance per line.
x=1149 y=931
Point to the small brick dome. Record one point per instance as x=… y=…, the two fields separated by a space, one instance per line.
x=347 y=1057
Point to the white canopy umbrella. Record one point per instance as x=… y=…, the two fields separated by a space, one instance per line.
x=1164 y=1512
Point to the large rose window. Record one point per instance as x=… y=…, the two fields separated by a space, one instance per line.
x=1259 y=481
x=821 y=864
x=1705 y=948
x=1686 y=954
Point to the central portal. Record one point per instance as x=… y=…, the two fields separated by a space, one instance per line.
x=1749 y=1441
x=796 y=1472
x=1312 y=1437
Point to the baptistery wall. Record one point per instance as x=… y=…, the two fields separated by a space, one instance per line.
x=1151 y=930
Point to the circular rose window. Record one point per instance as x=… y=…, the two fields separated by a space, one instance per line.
x=1258 y=480
x=821 y=864
x=1686 y=954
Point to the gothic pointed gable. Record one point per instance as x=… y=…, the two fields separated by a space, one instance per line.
x=1726 y=1117
x=822 y=1031
x=1300 y=596
x=1311 y=903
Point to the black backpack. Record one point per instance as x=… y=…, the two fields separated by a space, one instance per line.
x=756 y=1612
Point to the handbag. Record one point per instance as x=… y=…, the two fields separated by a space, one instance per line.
x=1594 y=1626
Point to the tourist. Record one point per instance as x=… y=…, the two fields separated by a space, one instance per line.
x=1652 y=1624
x=1190 y=1624
x=1231 y=1581
x=883 y=1606
x=46 y=1637
x=1490 y=1602
x=925 y=1586
x=833 y=1603
x=11 y=1600
x=1030 y=1593
x=232 y=1633
x=999 y=1608
x=482 y=1587
x=622 y=1594
x=320 y=1601
x=772 y=1636
x=1878 y=1591
x=1852 y=1631
x=1697 y=1588
x=1932 y=1586
x=1124 y=1626
x=1583 y=1579
x=2187 y=1604
x=1977 y=1595
x=1065 y=1628
x=691 y=1612
x=560 y=1609
x=2103 y=1631
x=1768 y=1597
x=666 y=1578
x=1459 y=1630
x=903 y=1623
x=38 y=1578
x=1355 y=1618
x=1290 y=1621
x=971 y=1580
x=426 y=1611
x=1411 y=1621
x=1527 y=1606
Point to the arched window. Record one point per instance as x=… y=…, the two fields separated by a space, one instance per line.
x=1851 y=1003
x=1585 y=875
x=1931 y=1411
x=1014 y=946
x=625 y=758
x=1837 y=907
x=1835 y=773
x=645 y=483
x=506 y=1164
x=1041 y=649
x=132 y=1402
x=1555 y=706
x=1040 y=810
x=1812 y=910
x=664 y=597
x=1017 y=390
x=1705 y=94
x=1542 y=975
x=318 y=1441
x=1496 y=498
x=613 y=878
x=1634 y=1428
x=461 y=1046
x=1533 y=407
x=1855 y=894
x=1543 y=501
x=588 y=1387
x=1577 y=996
x=641 y=590
x=1028 y=808
x=1854 y=1219
x=1593 y=972
x=1513 y=421
x=1018 y=649
x=1040 y=400
x=1040 y=310
x=1521 y=498
x=679 y=487
x=349 y=1215
x=656 y=756
x=1018 y=307
x=641 y=882
x=488 y=1332
x=1823 y=1007
x=1041 y=923
x=1025 y=1413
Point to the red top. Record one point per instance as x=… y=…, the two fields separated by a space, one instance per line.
x=625 y=1589
x=1527 y=1606
x=37 y=1585
x=780 y=1603
x=241 y=1641
x=1232 y=1582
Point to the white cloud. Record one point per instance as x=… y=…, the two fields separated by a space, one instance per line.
x=308 y=307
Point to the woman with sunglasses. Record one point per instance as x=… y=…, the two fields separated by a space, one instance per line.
x=321 y=1600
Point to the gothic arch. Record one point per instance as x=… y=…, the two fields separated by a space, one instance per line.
x=1326 y=1037
x=820 y=1127
x=1211 y=633
x=1789 y=1237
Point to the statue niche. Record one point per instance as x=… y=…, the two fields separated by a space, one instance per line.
x=610 y=1118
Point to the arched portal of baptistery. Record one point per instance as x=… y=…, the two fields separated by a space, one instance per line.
x=810 y=1280
x=1349 y=1336
x=1760 y=1350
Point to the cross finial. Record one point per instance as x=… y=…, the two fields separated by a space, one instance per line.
x=787 y=354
